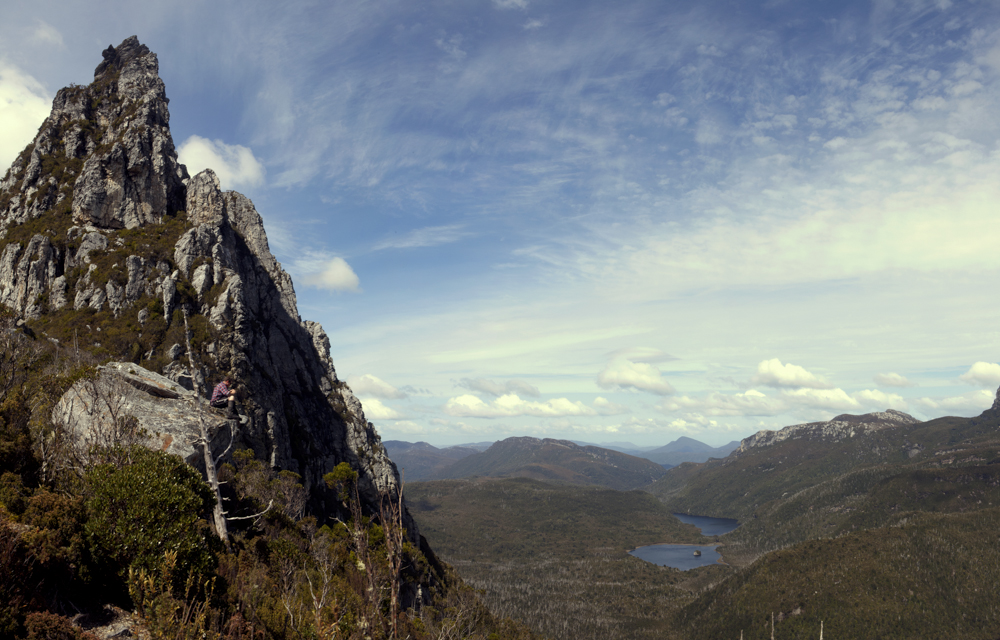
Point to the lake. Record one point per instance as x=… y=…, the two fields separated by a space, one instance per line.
x=709 y=526
x=681 y=556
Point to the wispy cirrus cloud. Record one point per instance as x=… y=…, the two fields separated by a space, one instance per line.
x=425 y=237
x=494 y=388
x=510 y=406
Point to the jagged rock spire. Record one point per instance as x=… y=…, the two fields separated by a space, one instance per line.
x=104 y=154
x=103 y=164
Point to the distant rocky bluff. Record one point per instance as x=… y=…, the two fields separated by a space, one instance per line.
x=101 y=227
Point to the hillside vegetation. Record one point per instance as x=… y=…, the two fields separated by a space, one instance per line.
x=890 y=532
x=554 y=556
x=928 y=576
x=419 y=460
x=812 y=487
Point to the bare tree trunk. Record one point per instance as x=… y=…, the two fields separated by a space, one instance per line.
x=218 y=514
x=391 y=513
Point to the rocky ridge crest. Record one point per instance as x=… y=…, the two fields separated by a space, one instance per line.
x=840 y=428
x=105 y=240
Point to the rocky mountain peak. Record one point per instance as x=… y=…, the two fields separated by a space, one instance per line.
x=841 y=427
x=109 y=248
x=104 y=154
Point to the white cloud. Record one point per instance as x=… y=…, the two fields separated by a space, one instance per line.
x=692 y=421
x=622 y=372
x=605 y=407
x=642 y=354
x=969 y=403
x=369 y=385
x=235 y=164
x=45 y=33
x=336 y=275
x=494 y=388
x=829 y=399
x=426 y=237
x=375 y=410
x=510 y=405
x=774 y=374
x=511 y=4
x=893 y=380
x=750 y=403
x=24 y=105
x=533 y=24
x=982 y=374
x=880 y=400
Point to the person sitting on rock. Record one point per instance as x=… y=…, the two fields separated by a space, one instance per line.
x=224 y=396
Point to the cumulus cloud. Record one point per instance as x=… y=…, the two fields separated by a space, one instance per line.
x=755 y=403
x=494 y=388
x=336 y=275
x=774 y=374
x=510 y=4
x=369 y=385
x=880 y=399
x=968 y=403
x=375 y=410
x=982 y=374
x=829 y=399
x=24 y=104
x=893 y=380
x=622 y=373
x=510 y=405
x=235 y=164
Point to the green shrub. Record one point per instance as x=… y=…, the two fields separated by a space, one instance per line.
x=139 y=512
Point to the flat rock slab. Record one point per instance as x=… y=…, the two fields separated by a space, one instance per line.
x=145 y=380
x=170 y=414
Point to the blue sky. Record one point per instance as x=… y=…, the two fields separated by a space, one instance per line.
x=600 y=221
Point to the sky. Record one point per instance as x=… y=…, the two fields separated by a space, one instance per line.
x=604 y=222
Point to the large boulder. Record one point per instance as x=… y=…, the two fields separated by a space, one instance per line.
x=93 y=411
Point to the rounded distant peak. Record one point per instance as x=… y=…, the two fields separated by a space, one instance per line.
x=115 y=58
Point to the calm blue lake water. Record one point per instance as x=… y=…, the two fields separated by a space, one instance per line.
x=709 y=526
x=681 y=556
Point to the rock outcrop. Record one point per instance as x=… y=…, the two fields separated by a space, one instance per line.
x=169 y=414
x=842 y=427
x=105 y=240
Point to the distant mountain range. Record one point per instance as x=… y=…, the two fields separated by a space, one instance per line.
x=556 y=461
x=685 y=449
x=874 y=525
x=422 y=461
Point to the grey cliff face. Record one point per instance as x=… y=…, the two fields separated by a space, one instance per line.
x=98 y=217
